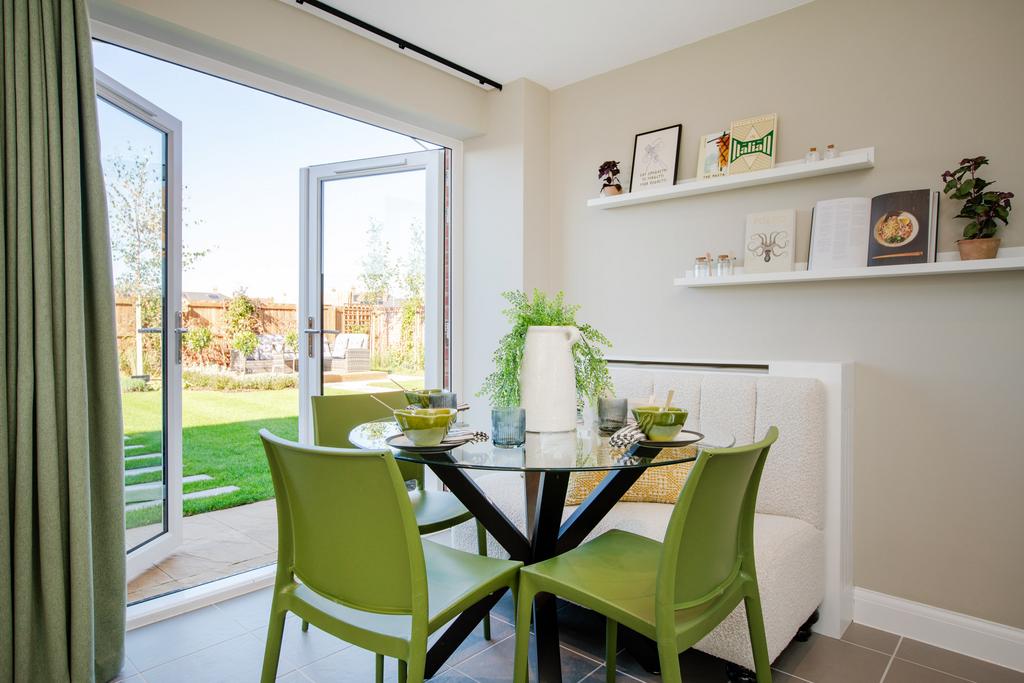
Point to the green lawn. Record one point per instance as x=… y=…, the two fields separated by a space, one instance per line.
x=220 y=438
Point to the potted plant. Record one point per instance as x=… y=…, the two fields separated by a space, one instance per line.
x=608 y=174
x=983 y=207
x=541 y=317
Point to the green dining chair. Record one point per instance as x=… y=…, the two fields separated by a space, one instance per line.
x=674 y=592
x=335 y=416
x=350 y=559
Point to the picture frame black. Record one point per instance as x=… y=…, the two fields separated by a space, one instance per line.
x=675 y=140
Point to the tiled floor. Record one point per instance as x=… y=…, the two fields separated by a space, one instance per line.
x=216 y=544
x=224 y=643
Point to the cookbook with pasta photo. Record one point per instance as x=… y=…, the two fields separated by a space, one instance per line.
x=890 y=229
x=902 y=228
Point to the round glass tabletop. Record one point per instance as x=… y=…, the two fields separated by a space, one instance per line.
x=582 y=450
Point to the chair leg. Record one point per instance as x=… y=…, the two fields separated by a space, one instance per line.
x=611 y=632
x=669 y=658
x=379 y=677
x=524 y=611
x=758 y=639
x=417 y=664
x=305 y=626
x=272 y=652
x=481 y=548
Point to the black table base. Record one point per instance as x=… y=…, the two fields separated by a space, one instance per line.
x=549 y=536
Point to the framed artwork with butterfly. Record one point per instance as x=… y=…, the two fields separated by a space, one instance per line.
x=656 y=158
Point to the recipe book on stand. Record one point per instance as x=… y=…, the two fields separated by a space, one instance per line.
x=890 y=229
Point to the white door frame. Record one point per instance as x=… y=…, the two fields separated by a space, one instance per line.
x=311 y=180
x=144 y=556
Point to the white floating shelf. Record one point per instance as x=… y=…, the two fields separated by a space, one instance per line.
x=1009 y=262
x=853 y=160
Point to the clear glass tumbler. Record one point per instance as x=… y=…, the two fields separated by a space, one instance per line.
x=508 y=427
x=611 y=414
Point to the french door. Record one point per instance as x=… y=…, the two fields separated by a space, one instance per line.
x=372 y=273
x=141 y=152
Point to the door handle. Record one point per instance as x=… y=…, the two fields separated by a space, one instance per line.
x=150 y=330
x=311 y=333
x=179 y=332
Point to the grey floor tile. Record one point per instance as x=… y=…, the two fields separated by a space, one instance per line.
x=695 y=666
x=475 y=642
x=956 y=664
x=127 y=671
x=826 y=660
x=251 y=610
x=163 y=641
x=901 y=671
x=495 y=664
x=293 y=677
x=505 y=609
x=239 y=659
x=351 y=665
x=582 y=629
x=866 y=636
x=303 y=647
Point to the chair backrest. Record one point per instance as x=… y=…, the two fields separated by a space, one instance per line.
x=335 y=416
x=346 y=527
x=710 y=535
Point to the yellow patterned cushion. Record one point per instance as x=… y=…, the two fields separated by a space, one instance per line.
x=656 y=485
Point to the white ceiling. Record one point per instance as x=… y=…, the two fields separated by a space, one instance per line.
x=556 y=42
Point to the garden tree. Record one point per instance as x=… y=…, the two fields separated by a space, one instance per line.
x=413 y=281
x=135 y=205
x=378 y=272
x=243 y=323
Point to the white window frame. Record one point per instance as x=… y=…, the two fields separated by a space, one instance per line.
x=151 y=552
x=312 y=180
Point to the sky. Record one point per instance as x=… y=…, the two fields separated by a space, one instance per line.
x=242 y=151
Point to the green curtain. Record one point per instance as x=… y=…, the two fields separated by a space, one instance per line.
x=62 y=564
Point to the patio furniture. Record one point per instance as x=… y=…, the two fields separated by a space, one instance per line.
x=270 y=356
x=350 y=352
x=546 y=461
x=333 y=419
x=790 y=542
x=351 y=560
x=673 y=592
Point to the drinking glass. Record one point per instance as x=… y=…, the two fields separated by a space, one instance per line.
x=508 y=427
x=611 y=414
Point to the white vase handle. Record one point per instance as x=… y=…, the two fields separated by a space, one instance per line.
x=572 y=335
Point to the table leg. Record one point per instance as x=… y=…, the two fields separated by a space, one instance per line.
x=547 y=519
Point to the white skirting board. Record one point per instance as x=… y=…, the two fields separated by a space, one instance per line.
x=978 y=638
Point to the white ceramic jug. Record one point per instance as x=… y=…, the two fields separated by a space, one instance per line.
x=547 y=379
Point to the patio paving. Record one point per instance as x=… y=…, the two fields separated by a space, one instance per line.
x=216 y=544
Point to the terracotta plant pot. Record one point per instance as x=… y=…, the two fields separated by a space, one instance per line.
x=611 y=190
x=971 y=250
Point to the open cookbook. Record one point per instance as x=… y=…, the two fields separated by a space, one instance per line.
x=889 y=229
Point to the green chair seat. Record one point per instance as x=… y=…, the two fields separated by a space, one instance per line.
x=455 y=581
x=437 y=510
x=616 y=575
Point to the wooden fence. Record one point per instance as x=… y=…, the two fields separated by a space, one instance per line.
x=382 y=323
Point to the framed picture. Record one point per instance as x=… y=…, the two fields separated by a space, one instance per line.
x=713 y=156
x=655 y=158
x=752 y=143
x=770 y=241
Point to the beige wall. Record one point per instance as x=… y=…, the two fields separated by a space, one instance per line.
x=291 y=45
x=938 y=438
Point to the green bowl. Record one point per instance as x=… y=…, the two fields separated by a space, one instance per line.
x=425 y=426
x=660 y=424
x=421 y=397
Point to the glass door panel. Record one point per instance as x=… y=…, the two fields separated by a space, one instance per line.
x=371 y=303
x=141 y=155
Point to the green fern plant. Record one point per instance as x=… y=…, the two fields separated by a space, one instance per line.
x=592 y=377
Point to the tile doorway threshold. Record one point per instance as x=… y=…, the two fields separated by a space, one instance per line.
x=189 y=599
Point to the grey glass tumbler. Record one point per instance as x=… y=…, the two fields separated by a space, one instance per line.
x=508 y=427
x=611 y=414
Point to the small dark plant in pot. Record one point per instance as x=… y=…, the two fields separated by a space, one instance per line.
x=984 y=209
x=608 y=174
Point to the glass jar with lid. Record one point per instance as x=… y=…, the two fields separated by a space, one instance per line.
x=724 y=265
x=701 y=267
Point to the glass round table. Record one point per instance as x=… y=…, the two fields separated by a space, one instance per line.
x=547 y=460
